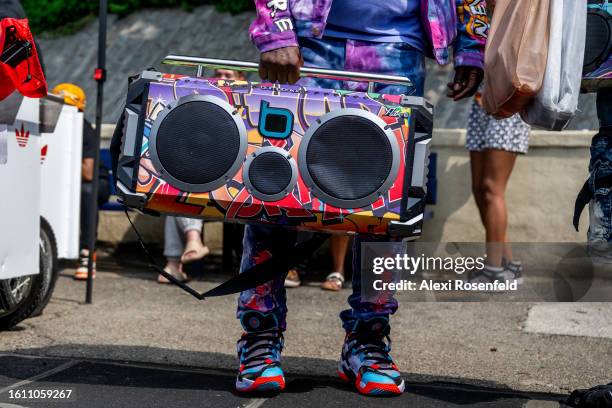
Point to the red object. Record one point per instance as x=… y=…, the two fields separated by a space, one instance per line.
x=22 y=136
x=26 y=74
x=43 y=153
x=99 y=74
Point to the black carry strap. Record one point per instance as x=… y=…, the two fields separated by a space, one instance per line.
x=584 y=197
x=270 y=269
x=596 y=397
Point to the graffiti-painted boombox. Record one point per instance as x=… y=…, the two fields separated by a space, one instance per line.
x=314 y=159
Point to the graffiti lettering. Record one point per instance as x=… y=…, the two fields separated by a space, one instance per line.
x=478 y=7
x=284 y=24
x=479 y=21
x=396 y=112
x=277 y=5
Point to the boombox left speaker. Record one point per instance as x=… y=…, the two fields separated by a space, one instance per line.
x=313 y=159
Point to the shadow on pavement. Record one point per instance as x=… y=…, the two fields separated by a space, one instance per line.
x=119 y=380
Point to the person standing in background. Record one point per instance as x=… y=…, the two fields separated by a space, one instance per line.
x=182 y=245
x=75 y=96
x=599 y=184
x=494 y=146
x=338 y=246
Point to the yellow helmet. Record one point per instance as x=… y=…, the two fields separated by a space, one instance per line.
x=72 y=94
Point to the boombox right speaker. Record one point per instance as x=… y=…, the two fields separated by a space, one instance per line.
x=597 y=70
x=313 y=159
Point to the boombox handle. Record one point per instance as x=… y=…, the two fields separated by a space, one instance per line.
x=211 y=63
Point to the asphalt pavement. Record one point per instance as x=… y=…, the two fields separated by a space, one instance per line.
x=148 y=345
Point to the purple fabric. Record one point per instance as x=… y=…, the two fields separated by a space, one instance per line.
x=462 y=24
x=392 y=21
x=261 y=242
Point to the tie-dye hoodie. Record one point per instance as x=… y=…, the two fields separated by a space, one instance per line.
x=462 y=24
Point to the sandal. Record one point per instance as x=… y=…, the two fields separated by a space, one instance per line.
x=333 y=282
x=194 y=251
x=292 y=280
x=174 y=271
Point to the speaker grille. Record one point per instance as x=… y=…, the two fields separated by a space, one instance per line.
x=349 y=157
x=270 y=173
x=198 y=142
x=598 y=37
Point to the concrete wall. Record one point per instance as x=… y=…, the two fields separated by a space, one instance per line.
x=115 y=228
x=142 y=39
x=541 y=194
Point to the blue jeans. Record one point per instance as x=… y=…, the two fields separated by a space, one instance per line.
x=600 y=180
x=261 y=242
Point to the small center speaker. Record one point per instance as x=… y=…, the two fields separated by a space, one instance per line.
x=270 y=173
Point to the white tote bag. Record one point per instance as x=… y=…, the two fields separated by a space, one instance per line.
x=557 y=102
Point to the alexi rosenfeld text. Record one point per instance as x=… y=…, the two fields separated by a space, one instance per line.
x=404 y=263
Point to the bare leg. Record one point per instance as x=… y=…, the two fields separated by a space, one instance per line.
x=498 y=165
x=477 y=160
x=192 y=235
x=339 y=246
x=194 y=249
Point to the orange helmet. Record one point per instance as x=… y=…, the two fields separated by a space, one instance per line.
x=72 y=94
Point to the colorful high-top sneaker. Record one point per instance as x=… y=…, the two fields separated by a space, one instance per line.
x=259 y=351
x=365 y=359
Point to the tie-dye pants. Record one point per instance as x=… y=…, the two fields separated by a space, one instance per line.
x=260 y=242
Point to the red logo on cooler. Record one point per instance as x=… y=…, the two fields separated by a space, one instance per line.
x=22 y=136
x=43 y=153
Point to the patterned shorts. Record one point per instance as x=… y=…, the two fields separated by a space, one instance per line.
x=486 y=132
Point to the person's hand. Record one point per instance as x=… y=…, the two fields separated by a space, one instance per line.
x=282 y=65
x=465 y=83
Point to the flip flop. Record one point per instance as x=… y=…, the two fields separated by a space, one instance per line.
x=194 y=251
x=333 y=282
x=178 y=274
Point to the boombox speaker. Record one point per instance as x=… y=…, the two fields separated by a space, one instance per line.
x=313 y=159
x=597 y=70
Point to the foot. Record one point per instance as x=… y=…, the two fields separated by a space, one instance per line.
x=333 y=282
x=174 y=269
x=365 y=359
x=259 y=351
x=194 y=251
x=293 y=279
x=490 y=274
x=81 y=271
x=515 y=267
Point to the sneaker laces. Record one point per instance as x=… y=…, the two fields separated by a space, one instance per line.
x=260 y=348
x=373 y=348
